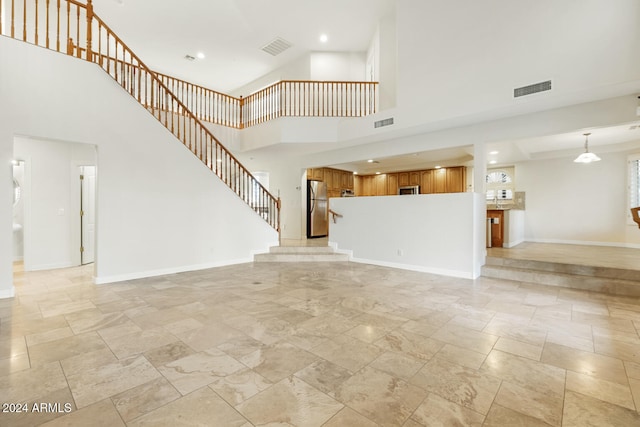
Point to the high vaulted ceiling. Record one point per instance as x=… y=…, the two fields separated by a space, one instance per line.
x=231 y=33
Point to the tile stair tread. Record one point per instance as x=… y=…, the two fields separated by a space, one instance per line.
x=300 y=249
x=566 y=268
x=301 y=254
x=572 y=281
x=301 y=257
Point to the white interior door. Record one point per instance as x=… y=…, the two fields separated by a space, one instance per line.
x=88 y=214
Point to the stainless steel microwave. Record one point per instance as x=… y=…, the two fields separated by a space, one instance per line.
x=409 y=189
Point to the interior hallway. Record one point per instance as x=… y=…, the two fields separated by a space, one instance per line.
x=333 y=344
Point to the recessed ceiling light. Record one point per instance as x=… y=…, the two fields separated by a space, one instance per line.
x=494 y=152
x=370 y=161
x=324 y=38
x=200 y=55
x=493 y=162
x=355 y=173
x=438 y=167
x=377 y=173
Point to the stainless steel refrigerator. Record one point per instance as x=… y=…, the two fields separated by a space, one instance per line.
x=317 y=209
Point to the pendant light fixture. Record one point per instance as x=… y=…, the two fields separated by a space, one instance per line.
x=587 y=157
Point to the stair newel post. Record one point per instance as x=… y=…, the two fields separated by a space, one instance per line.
x=241 y=108
x=89 y=29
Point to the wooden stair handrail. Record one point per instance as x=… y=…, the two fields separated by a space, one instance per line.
x=635 y=214
x=176 y=86
x=334 y=215
x=187 y=113
x=142 y=83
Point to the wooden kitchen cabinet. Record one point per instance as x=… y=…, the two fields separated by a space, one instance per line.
x=337 y=179
x=497 y=227
x=456 y=180
x=392 y=184
x=364 y=185
x=328 y=179
x=426 y=182
x=357 y=186
x=443 y=180
x=403 y=179
x=347 y=180
x=440 y=180
x=414 y=178
x=316 y=174
x=380 y=185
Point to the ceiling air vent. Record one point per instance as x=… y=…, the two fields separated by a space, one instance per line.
x=531 y=89
x=385 y=122
x=277 y=46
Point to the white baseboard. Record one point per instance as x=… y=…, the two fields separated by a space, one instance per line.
x=410 y=267
x=512 y=244
x=8 y=293
x=419 y=268
x=102 y=280
x=52 y=266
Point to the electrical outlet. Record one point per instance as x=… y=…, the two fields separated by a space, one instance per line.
x=400 y=252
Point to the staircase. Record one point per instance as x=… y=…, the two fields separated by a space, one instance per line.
x=613 y=281
x=301 y=254
x=70 y=27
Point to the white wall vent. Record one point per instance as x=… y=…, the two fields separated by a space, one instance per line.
x=277 y=46
x=385 y=122
x=531 y=89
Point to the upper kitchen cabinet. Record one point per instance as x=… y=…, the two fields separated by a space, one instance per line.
x=440 y=181
x=392 y=183
x=426 y=182
x=316 y=174
x=414 y=178
x=381 y=185
x=456 y=179
x=336 y=180
x=443 y=180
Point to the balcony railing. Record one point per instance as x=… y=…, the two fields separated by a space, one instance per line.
x=72 y=28
x=301 y=98
x=287 y=98
x=60 y=25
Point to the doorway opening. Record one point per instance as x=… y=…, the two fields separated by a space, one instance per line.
x=87 y=214
x=59 y=221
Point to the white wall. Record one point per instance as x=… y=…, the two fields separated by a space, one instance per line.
x=298 y=69
x=435 y=233
x=159 y=209
x=6 y=210
x=338 y=66
x=18 y=214
x=459 y=58
x=568 y=202
x=52 y=201
x=388 y=63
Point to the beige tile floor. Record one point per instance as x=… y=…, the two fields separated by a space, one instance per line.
x=598 y=256
x=314 y=344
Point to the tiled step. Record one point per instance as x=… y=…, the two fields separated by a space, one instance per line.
x=575 y=269
x=301 y=254
x=611 y=281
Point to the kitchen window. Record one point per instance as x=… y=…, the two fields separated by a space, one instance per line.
x=500 y=185
x=633 y=187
